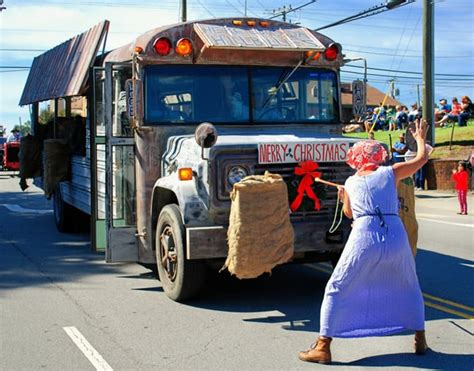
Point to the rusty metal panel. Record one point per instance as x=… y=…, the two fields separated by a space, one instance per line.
x=260 y=38
x=63 y=70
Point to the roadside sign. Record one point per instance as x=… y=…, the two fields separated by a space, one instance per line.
x=358 y=98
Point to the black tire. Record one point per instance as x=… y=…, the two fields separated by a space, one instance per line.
x=181 y=278
x=63 y=212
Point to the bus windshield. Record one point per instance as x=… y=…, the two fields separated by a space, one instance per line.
x=227 y=94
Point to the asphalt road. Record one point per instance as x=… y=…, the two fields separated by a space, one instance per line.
x=63 y=308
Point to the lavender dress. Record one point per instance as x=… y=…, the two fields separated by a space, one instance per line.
x=374 y=289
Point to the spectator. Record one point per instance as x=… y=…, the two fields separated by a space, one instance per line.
x=414 y=112
x=14 y=136
x=460 y=177
x=399 y=149
x=390 y=119
x=452 y=115
x=467 y=109
x=377 y=121
x=443 y=109
x=356 y=125
x=401 y=118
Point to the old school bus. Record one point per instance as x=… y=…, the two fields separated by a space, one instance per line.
x=154 y=181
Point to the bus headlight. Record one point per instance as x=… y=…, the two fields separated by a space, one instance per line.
x=236 y=174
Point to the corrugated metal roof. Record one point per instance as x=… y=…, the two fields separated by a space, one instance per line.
x=63 y=70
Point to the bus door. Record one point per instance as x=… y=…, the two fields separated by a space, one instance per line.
x=97 y=145
x=120 y=192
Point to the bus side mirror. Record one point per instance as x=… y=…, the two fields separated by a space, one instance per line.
x=205 y=136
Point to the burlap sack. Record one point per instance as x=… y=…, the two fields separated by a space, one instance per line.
x=56 y=164
x=260 y=235
x=30 y=157
x=406 y=197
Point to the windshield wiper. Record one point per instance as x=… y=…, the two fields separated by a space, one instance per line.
x=280 y=82
x=284 y=78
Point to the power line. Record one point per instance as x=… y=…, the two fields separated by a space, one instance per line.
x=405 y=77
x=407 y=72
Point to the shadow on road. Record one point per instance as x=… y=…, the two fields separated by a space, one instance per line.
x=436 y=196
x=296 y=291
x=432 y=360
x=34 y=253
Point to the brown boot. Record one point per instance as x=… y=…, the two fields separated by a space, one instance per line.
x=420 y=343
x=319 y=352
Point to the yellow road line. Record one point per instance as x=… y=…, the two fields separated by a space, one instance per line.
x=449 y=302
x=447 y=310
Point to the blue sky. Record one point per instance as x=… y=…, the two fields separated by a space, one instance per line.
x=391 y=40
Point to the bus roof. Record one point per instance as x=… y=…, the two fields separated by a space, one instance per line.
x=63 y=70
x=228 y=41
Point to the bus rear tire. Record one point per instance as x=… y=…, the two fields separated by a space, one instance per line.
x=181 y=278
x=63 y=212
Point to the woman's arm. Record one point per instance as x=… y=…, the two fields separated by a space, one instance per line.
x=403 y=170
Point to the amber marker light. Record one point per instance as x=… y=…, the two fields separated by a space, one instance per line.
x=185 y=173
x=138 y=49
x=236 y=22
x=315 y=56
x=184 y=47
x=264 y=23
x=251 y=23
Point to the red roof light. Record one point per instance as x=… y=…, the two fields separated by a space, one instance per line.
x=331 y=52
x=162 y=46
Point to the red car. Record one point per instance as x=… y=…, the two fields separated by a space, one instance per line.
x=10 y=159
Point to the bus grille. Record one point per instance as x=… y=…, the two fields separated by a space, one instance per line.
x=333 y=172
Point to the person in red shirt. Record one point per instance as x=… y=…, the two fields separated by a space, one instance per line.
x=460 y=178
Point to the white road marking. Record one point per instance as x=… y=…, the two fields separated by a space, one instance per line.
x=92 y=355
x=450 y=223
x=20 y=209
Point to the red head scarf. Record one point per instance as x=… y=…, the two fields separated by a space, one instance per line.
x=366 y=154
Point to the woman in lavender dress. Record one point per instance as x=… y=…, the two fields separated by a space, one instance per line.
x=374 y=289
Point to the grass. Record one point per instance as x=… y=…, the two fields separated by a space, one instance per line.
x=463 y=141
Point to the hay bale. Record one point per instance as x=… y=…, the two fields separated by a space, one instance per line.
x=260 y=235
x=406 y=197
x=56 y=164
x=30 y=157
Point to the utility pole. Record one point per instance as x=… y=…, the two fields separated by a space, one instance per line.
x=418 y=101
x=283 y=11
x=184 y=9
x=245 y=10
x=428 y=67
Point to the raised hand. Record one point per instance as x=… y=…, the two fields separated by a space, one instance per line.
x=421 y=128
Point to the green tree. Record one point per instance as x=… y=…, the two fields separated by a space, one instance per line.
x=45 y=115
x=24 y=129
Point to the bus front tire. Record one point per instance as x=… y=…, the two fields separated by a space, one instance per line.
x=181 y=278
